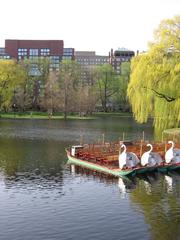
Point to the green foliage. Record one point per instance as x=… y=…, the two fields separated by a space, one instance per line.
x=107 y=84
x=153 y=90
x=37 y=71
x=50 y=99
x=120 y=98
x=12 y=75
x=69 y=76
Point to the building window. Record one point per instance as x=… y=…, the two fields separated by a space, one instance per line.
x=2 y=50
x=67 y=57
x=54 y=66
x=4 y=57
x=22 y=51
x=33 y=58
x=54 y=62
x=34 y=70
x=55 y=59
x=45 y=51
x=33 y=52
x=67 y=51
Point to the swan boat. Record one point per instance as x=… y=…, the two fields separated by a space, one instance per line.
x=125 y=159
x=97 y=163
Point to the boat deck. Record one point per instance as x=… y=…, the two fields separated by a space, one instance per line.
x=105 y=157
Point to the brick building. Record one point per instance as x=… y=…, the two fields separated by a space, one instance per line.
x=68 y=54
x=34 y=49
x=20 y=49
x=118 y=56
x=88 y=60
x=3 y=54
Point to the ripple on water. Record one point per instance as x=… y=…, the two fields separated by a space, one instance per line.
x=42 y=199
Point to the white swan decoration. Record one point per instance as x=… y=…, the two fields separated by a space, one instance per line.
x=128 y=159
x=150 y=158
x=169 y=153
x=172 y=154
x=145 y=156
x=122 y=157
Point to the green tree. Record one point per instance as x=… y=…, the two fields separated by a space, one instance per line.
x=50 y=100
x=88 y=94
x=107 y=84
x=37 y=72
x=155 y=79
x=69 y=76
x=120 y=98
x=25 y=91
x=12 y=75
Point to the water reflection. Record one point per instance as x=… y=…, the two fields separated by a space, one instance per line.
x=159 y=199
x=146 y=183
x=122 y=187
x=31 y=164
x=90 y=174
x=157 y=196
x=169 y=182
x=35 y=183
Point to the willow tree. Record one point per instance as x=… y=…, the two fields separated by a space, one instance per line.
x=154 y=88
x=12 y=76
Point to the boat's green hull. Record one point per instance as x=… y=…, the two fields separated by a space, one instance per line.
x=99 y=168
x=173 y=167
x=118 y=172
x=167 y=168
x=162 y=169
x=145 y=170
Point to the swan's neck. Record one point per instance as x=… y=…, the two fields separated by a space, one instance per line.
x=150 y=150
x=172 y=145
x=124 y=150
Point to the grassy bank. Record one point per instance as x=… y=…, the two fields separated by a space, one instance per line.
x=112 y=114
x=44 y=115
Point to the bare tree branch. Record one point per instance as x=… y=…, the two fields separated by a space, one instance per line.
x=162 y=95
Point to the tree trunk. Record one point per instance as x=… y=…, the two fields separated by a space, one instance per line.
x=65 y=103
x=105 y=94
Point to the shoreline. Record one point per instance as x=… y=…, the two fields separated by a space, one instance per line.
x=45 y=116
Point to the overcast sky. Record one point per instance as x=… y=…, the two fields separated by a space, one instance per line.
x=97 y=25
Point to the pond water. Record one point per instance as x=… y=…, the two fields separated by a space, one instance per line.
x=42 y=198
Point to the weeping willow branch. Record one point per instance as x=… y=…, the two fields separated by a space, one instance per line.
x=162 y=95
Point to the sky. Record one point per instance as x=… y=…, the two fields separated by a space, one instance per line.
x=86 y=25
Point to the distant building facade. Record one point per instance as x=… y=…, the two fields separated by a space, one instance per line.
x=88 y=60
x=34 y=49
x=55 y=51
x=68 y=54
x=3 y=54
x=30 y=49
x=118 y=56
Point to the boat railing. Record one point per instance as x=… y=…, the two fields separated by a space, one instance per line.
x=109 y=150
